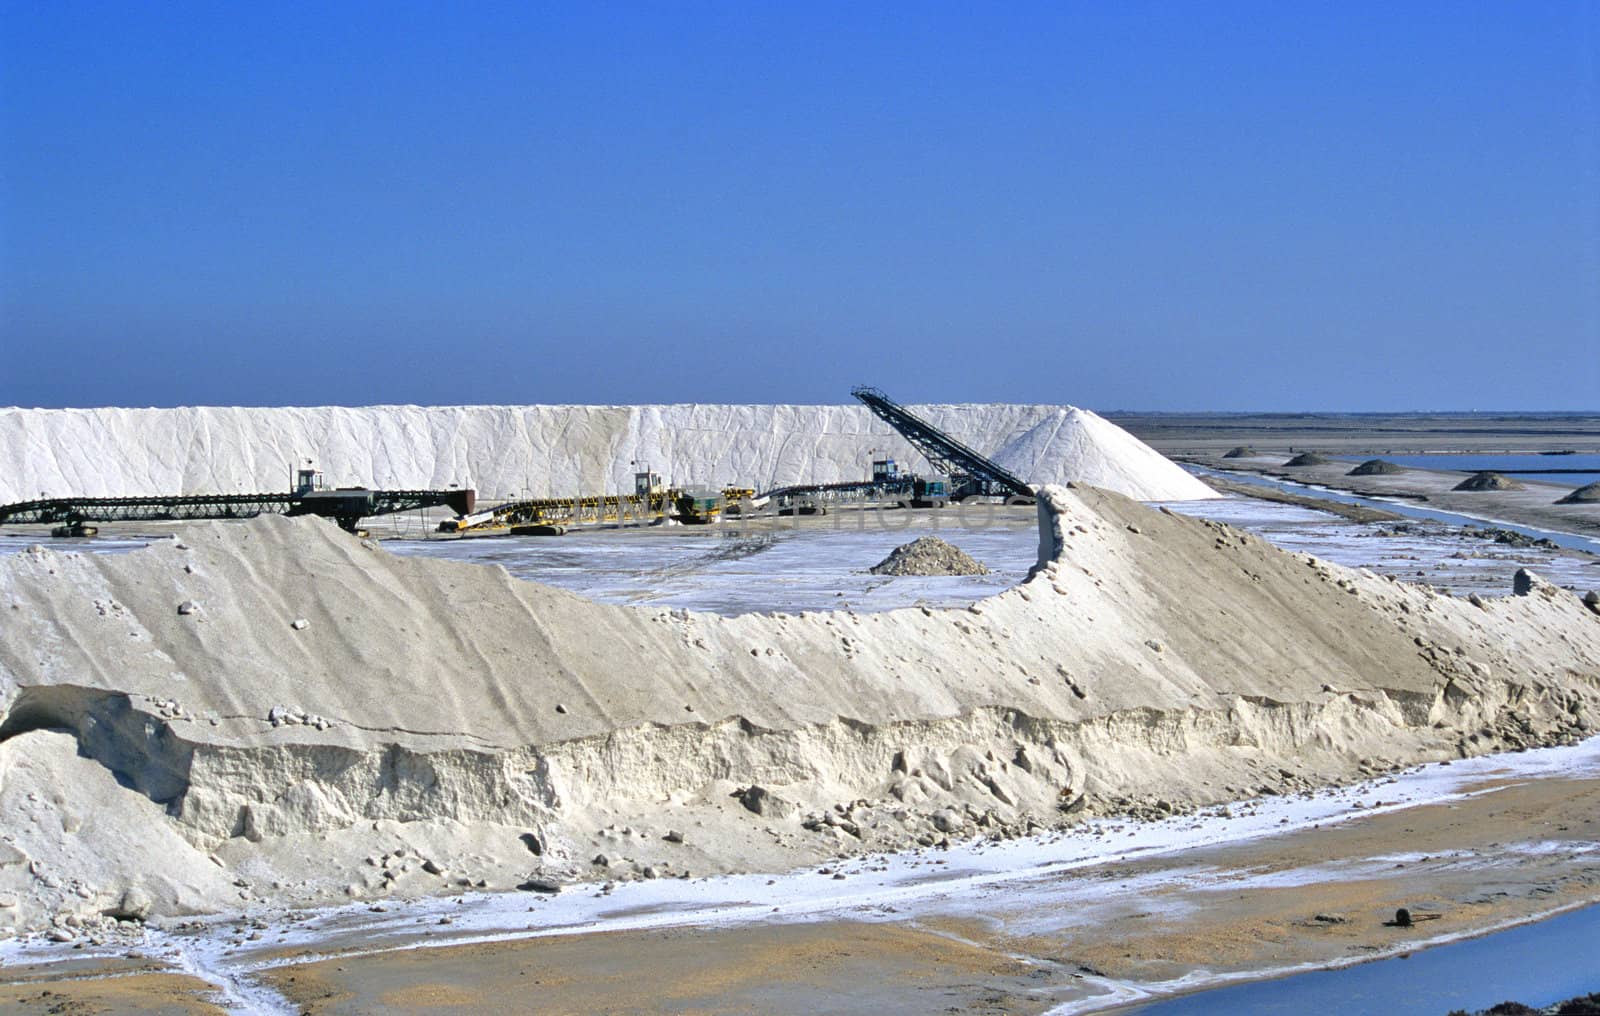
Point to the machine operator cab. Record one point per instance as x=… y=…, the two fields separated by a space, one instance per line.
x=885 y=471
x=647 y=483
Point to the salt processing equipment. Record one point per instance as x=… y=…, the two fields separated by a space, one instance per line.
x=72 y=516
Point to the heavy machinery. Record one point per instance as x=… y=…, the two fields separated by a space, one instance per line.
x=888 y=486
x=71 y=516
x=965 y=472
x=649 y=502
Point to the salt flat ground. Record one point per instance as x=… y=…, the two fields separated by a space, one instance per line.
x=823 y=563
x=813 y=563
x=1364 y=433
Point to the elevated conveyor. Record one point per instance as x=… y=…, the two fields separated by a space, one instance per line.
x=970 y=473
x=347 y=507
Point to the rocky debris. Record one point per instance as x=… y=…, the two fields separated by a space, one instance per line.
x=761 y=801
x=188 y=607
x=1583 y=495
x=1511 y=538
x=1525 y=583
x=540 y=885
x=1592 y=600
x=1308 y=459
x=929 y=555
x=1488 y=481
x=285 y=716
x=134 y=905
x=1376 y=467
x=1240 y=452
x=299 y=624
x=1581 y=1005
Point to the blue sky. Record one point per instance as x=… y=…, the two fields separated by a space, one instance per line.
x=1153 y=206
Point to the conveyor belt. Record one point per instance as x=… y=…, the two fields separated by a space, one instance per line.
x=347 y=507
x=969 y=472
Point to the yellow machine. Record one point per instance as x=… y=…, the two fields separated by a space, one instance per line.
x=649 y=503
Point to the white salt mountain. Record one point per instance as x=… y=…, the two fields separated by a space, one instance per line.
x=504 y=451
x=433 y=721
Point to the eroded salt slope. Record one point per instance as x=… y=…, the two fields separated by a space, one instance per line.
x=544 y=450
x=325 y=720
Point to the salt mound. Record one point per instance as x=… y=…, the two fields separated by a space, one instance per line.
x=436 y=721
x=929 y=555
x=1239 y=452
x=1488 y=481
x=1376 y=467
x=123 y=853
x=504 y=451
x=1102 y=455
x=1307 y=459
x=1583 y=495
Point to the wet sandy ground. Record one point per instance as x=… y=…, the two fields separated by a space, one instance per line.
x=1317 y=897
x=1204 y=438
x=1505 y=849
x=1535 y=505
x=103 y=986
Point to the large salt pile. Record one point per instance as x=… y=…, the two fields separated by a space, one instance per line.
x=505 y=451
x=929 y=555
x=1075 y=445
x=328 y=721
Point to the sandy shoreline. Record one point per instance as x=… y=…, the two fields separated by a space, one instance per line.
x=1500 y=841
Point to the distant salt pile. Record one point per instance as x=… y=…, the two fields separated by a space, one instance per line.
x=1239 y=452
x=929 y=555
x=1376 y=467
x=548 y=450
x=1488 y=481
x=1307 y=459
x=1583 y=495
